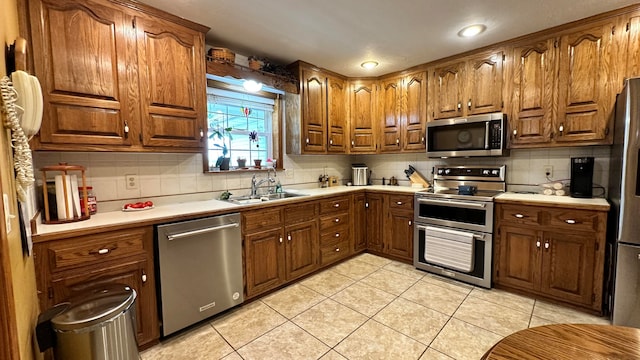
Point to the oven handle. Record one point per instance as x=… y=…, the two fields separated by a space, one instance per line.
x=468 y=205
x=475 y=236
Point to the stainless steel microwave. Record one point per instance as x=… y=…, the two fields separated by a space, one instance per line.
x=476 y=135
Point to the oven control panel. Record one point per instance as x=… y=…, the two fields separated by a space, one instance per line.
x=486 y=173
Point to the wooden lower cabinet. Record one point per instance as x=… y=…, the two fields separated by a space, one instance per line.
x=67 y=267
x=359 y=224
x=264 y=261
x=301 y=249
x=389 y=225
x=399 y=235
x=552 y=252
x=374 y=228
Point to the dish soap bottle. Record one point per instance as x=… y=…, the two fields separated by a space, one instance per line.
x=278 y=187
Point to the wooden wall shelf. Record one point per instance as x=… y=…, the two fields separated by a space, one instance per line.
x=242 y=72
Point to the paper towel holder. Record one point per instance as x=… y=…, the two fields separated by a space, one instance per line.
x=65 y=169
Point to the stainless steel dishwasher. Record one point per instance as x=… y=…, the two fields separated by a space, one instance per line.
x=200 y=267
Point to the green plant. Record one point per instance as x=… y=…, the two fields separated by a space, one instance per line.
x=222 y=134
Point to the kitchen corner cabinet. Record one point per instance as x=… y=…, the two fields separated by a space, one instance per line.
x=402 y=103
x=67 y=267
x=362 y=125
x=389 y=225
x=280 y=244
x=468 y=86
x=551 y=252
x=133 y=81
x=319 y=124
x=562 y=89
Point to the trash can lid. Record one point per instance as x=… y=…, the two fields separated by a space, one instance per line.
x=97 y=305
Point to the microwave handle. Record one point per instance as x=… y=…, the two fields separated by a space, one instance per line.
x=486 y=135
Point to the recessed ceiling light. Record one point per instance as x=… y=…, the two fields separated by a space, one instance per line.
x=252 y=86
x=472 y=30
x=369 y=64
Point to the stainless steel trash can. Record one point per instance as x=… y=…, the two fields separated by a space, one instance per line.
x=99 y=325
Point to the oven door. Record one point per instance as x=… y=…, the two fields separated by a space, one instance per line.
x=439 y=255
x=455 y=213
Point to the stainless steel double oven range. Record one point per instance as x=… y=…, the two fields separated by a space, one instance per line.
x=454 y=222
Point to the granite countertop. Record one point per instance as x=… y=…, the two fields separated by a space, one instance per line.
x=184 y=210
x=192 y=209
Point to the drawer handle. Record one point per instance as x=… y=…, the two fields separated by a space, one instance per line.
x=570 y=221
x=399 y=202
x=337 y=220
x=519 y=216
x=337 y=234
x=336 y=205
x=102 y=251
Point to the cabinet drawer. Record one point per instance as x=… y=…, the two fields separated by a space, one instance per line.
x=262 y=219
x=403 y=202
x=519 y=214
x=568 y=219
x=335 y=204
x=337 y=233
x=90 y=250
x=334 y=251
x=328 y=222
x=300 y=213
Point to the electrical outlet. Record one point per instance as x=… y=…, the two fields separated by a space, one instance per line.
x=132 y=181
x=548 y=171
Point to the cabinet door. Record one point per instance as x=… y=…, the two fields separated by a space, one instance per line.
x=264 y=261
x=359 y=222
x=363 y=128
x=375 y=221
x=172 y=84
x=89 y=86
x=414 y=117
x=532 y=96
x=399 y=235
x=519 y=262
x=631 y=47
x=484 y=90
x=314 y=105
x=389 y=107
x=302 y=252
x=584 y=99
x=337 y=121
x=132 y=273
x=568 y=266
x=448 y=85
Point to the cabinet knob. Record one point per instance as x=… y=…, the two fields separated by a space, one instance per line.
x=459 y=106
x=336 y=205
x=307 y=140
x=546 y=244
x=201 y=134
x=519 y=216
x=398 y=142
x=126 y=128
x=469 y=104
x=103 y=251
x=144 y=278
x=353 y=143
x=280 y=239
x=561 y=129
x=331 y=142
x=337 y=220
x=399 y=202
x=337 y=235
x=422 y=140
x=337 y=249
x=570 y=221
x=289 y=237
x=410 y=222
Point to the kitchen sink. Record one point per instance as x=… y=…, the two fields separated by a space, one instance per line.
x=267 y=197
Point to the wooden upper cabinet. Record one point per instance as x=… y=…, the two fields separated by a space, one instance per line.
x=82 y=58
x=533 y=79
x=172 y=83
x=363 y=117
x=469 y=86
x=390 y=107
x=337 y=115
x=584 y=89
x=117 y=79
x=414 y=116
x=448 y=83
x=314 y=110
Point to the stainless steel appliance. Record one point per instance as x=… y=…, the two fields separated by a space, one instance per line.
x=200 y=269
x=581 y=185
x=360 y=174
x=624 y=196
x=454 y=222
x=476 y=135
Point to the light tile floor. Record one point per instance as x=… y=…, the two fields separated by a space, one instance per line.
x=367 y=308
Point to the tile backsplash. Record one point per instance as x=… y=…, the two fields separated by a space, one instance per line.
x=163 y=175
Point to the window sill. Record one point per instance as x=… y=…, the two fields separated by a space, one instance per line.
x=242 y=170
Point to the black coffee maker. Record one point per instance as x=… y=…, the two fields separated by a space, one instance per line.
x=581 y=177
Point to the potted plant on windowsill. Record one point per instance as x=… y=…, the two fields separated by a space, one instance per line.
x=223 y=134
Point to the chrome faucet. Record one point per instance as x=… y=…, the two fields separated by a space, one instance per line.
x=255 y=183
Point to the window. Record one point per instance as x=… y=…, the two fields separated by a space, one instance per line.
x=231 y=118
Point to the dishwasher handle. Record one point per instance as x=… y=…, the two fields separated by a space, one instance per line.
x=200 y=231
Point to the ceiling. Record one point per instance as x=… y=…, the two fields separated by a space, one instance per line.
x=339 y=35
